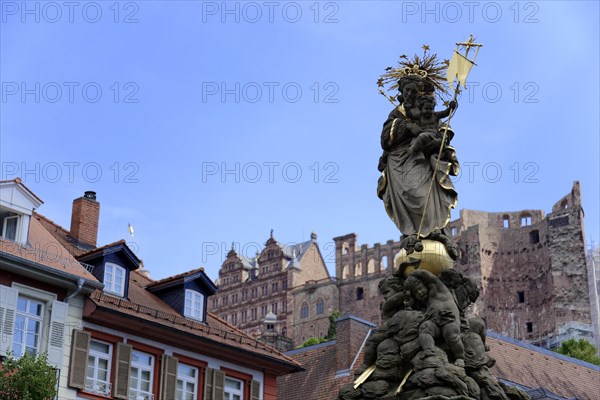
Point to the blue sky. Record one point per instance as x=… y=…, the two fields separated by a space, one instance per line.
x=207 y=123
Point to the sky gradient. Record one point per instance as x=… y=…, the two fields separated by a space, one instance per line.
x=207 y=123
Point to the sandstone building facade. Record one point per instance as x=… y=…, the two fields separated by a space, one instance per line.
x=255 y=294
x=536 y=284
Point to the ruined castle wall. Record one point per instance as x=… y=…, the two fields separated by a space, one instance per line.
x=314 y=322
x=566 y=248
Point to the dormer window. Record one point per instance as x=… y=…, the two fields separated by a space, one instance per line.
x=194 y=305
x=114 y=279
x=10 y=225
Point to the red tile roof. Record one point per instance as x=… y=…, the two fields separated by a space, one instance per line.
x=61 y=234
x=146 y=306
x=516 y=362
x=44 y=249
x=535 y=367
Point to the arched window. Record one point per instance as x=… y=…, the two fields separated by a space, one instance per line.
x=525 y=219
x=304 y=310
x=346 y=272
x=320 y=307
x=564 y=204
x=371 y=266
x=358 y=269
x=384 y=262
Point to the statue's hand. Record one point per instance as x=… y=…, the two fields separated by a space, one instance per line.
x=413 y=128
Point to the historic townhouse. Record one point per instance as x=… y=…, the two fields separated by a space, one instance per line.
x=256 y=294
x=42 y=287
x=125 y=336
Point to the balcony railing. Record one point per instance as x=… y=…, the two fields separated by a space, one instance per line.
x=98 y=387
x=139 y=395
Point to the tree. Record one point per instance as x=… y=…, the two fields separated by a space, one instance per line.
x=580 y=349
x=29 y=377
x=331 y=330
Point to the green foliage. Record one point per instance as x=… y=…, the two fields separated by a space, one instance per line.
x=580 y=349
x=29 y=377
x=331 y=330
x=312 y=341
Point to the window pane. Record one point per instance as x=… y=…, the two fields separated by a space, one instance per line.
x=99 y=347
x=22 y=304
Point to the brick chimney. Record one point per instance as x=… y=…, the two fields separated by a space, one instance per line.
x=351 y=333
x=84 y=219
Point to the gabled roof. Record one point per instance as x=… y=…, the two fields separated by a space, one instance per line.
x=214 y=336
x=36 y=201
x=298 y=250
x=61 y=234
x=118 y=246
x=182 y=278
x=45 y=253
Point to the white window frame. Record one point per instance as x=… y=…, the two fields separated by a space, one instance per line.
x=194 y=305
x=110 y=285
x=184 y=380
x=22 y=319
x=93 y=384
x=17 y=237
x=229 y=392
x=135 y=392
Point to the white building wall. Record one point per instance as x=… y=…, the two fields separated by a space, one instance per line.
x=170 y=350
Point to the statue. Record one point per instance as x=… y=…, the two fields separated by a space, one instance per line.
x=417 y=159
x=426 y=348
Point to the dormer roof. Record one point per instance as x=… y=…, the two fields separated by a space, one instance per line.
x=119 y=246
x=16 y=196
x=180 y=279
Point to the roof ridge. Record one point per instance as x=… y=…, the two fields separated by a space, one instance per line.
x=542 y=350
x=52 y=222
x=120 y=241
x=174 y=277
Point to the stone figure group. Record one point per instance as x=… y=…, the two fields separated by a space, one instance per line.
x=426 y=347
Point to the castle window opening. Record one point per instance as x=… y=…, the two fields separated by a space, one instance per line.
x=534 y=236
x=529 y=327
x=320 y=308
x=506 y=222
x=360 y=293
x=521 y=296
x=525 y=220
x=304 y=310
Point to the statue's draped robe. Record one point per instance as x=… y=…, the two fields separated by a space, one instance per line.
x=406 y=179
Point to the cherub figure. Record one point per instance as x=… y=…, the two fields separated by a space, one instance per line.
x=442 y=317
x=429 y=138
x=381 y=345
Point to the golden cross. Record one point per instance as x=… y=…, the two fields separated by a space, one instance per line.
x=468 y=44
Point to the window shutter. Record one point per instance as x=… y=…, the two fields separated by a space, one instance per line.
x=208 y=383
x=255 y=390
x=79 y=355
x=168 y=378
x=8 y=307
x=218 y=385
x=121 y=384
x=56 y=339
